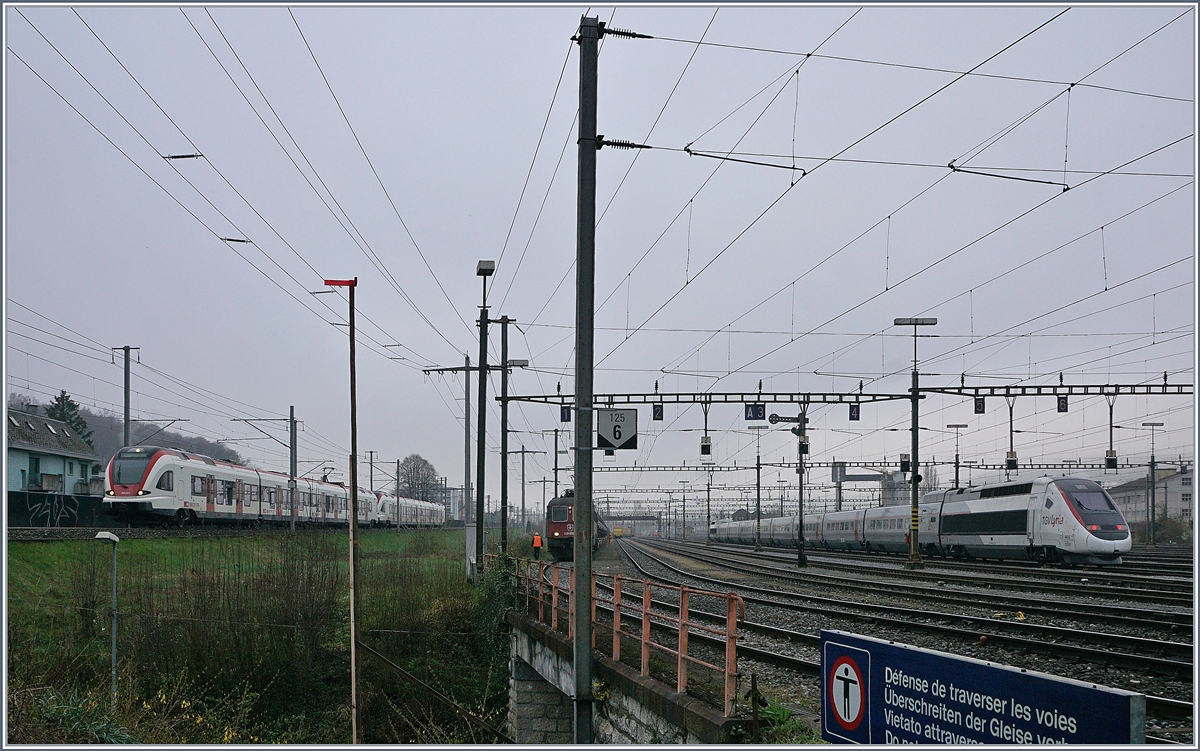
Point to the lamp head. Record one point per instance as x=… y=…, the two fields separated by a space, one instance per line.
x=1152 y=424
x=485 y=268
x=108 y=537
x=958 y=425
x=518 y=363
x=915 y=322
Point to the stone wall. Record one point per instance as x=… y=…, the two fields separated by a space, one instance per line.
x=629 y=708
x=537 y=711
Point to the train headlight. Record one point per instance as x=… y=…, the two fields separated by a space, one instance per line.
x=556 y=534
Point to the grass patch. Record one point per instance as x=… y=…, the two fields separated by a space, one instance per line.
x=246 y=640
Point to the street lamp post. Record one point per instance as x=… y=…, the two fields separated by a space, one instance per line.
x=914 y=553
x=351 y=284
x=110 y=537
x=956 y=426
x=483 y=269
x=1150 y=498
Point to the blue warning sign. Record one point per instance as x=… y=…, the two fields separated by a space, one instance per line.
x=875 y=691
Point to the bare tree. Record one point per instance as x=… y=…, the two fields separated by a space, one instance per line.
x=929 y=479
x=418 y=479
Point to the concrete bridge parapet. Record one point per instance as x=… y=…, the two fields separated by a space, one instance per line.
x=630 y=707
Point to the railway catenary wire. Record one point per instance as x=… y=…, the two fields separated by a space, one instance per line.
x=842 y=151
x=1027 y=604
x=1030 y=640
x=1159 y=707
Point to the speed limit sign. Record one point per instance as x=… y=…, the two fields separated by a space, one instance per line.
x=616 y=428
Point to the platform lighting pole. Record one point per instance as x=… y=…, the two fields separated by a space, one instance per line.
x=398 y=495
x=957 y=426
x=351 y=284
x=483 y=269
x=914 y=553
x=1150 y=498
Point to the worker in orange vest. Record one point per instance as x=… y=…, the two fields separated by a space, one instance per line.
x=537 y=546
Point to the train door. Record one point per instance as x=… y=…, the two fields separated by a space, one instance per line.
x=238 y=489
x=210 y=493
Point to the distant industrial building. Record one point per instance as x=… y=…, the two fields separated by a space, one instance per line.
x=1173 y=497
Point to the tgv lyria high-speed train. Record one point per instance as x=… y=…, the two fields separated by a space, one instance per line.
x=1055 y=520
x=152 y=485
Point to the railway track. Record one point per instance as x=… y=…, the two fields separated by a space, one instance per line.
x=1030 y=580
x=1113 y=575
x=1173 y=658
x=1128 y=616
x=1159 y=708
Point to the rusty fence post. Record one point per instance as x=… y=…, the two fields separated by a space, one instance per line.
x=616 y=650
x=541 y=567
x=646 y=628
x=731 y=612
x=571 y=604
x=681 y=662
x=554 y=601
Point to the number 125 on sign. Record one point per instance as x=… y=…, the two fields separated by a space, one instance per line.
x=616 y=428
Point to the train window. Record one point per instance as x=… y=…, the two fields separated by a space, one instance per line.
x=166 y=481
x=129 y=466
x=1092 y=501
x=228 y=492
x=197 y=485
x=558 y=513
x=252 y=494
x=1049 y=502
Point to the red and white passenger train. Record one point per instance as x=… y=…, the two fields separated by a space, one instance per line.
x=152 y=485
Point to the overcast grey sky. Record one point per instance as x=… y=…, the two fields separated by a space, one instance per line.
x=451 y=139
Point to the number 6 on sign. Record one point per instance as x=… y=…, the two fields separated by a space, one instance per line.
x=616 y=428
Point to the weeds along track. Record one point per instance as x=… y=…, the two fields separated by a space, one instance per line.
x=1160 y=590
x=788 y=622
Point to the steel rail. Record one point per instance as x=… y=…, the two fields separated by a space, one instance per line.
x=977 y=576
x=1110 y=614
x=887 y=615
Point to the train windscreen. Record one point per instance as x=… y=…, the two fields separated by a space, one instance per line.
x=558 y=513
x=1095 y=509
x=129 y=467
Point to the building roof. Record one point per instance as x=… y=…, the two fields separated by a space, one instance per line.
x=1139 y=485
x=34 y=432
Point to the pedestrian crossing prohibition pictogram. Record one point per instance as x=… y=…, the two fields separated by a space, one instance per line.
x=847 y=691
